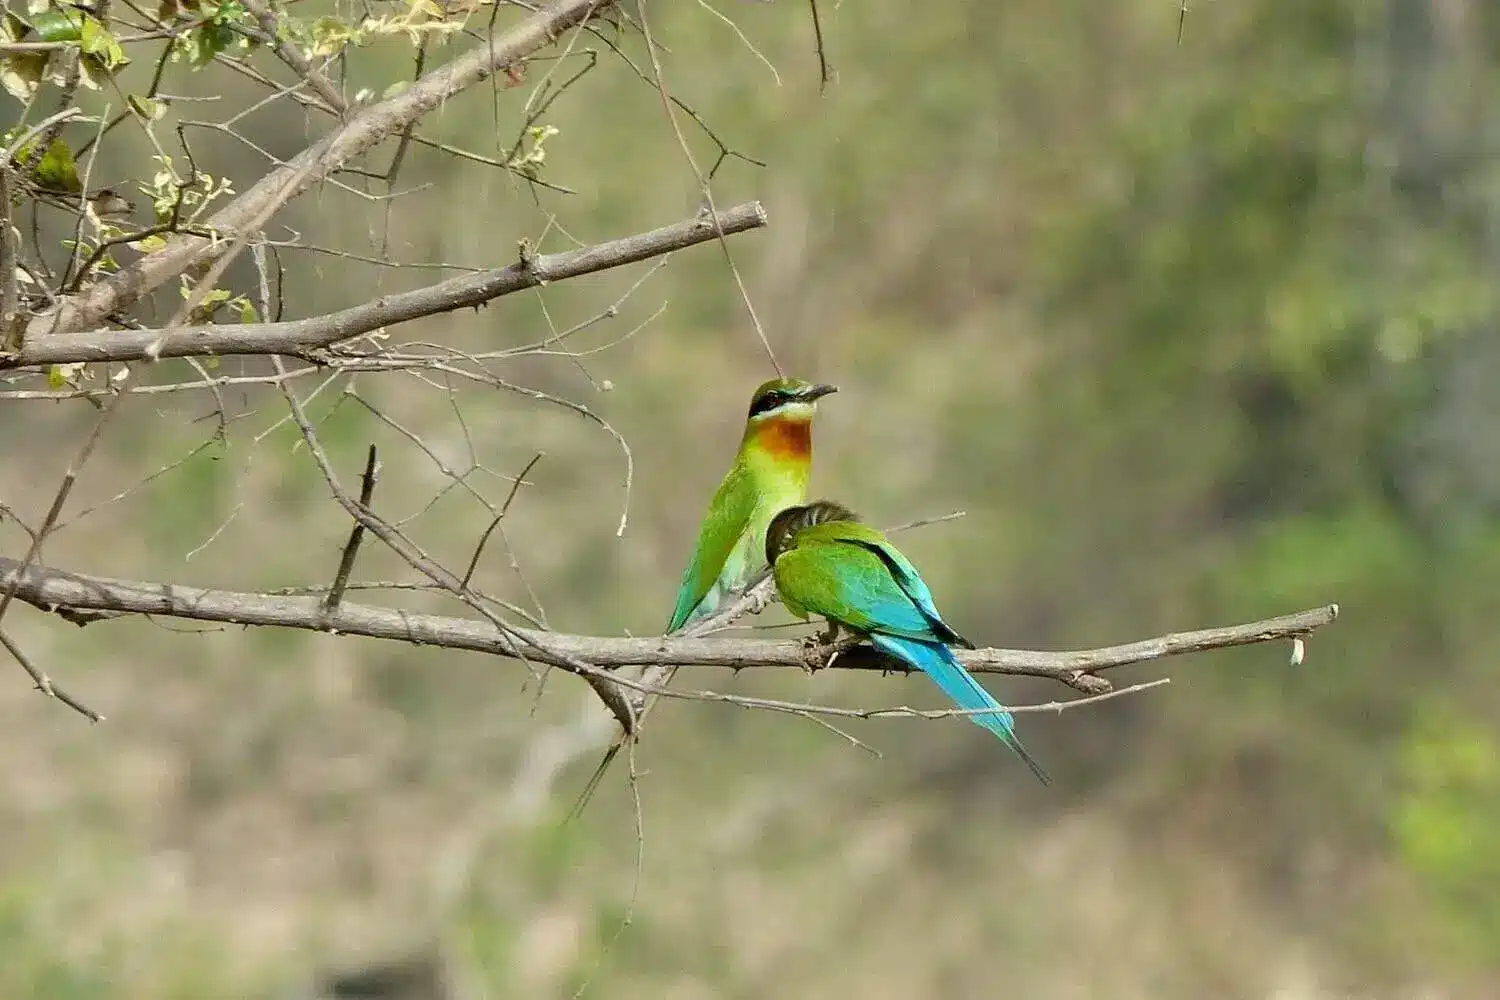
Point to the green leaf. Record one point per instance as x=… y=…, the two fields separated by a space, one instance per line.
x=99 y=43
x=21 y=74
x=59 y=24
x=62 y=376
x=57 y=171
x=151 y=244
x=327 y=36
x=204 y=311
x=246 y=309
x=147 y=108
x=207 y=42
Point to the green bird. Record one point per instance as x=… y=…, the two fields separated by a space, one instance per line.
x=769 y=473
x=826 y=562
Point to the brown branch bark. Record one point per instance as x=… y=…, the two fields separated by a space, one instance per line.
x=55 y=590
x=357 y=135
x=295 y=57
x=302 y=337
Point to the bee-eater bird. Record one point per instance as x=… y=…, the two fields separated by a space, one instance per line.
x=826 y=562
x=769 y=473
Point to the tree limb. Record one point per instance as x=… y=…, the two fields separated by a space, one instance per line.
x=357 y=135
x=55 y=590
x=295 y=57
x=303 y=336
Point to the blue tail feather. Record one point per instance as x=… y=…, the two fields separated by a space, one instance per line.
x=937 y=661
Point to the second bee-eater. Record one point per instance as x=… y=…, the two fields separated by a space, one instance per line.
x=826 y=562
x=769 y=473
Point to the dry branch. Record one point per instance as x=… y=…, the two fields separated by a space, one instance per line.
x=55 y=590
x=357 y=135
x=295 y=57
x=303 y=337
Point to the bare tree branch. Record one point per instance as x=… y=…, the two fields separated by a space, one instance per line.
x=9 y=292
x=356 y=534
x=295 y=57
x=360 y=133
x=53 y=590
x=303 y=336
x=44 y=683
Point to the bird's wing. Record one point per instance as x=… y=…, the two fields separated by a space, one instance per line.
x=902 y=572
x=728 y=515
x=850 y=584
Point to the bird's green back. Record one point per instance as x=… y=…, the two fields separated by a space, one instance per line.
x=850 y=572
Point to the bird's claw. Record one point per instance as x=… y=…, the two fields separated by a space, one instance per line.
x=810 y=647
x=816 y=645
x=758 y=602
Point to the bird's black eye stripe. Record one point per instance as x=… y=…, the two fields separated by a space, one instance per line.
x=769 y=401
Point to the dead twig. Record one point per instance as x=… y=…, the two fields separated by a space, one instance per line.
x=356 y=535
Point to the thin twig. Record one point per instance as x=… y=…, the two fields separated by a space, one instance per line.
x=60 y=498
x=44 y=683
x=10 y=297
x=57 y=119
x=304 y=337
x=704 y=186
x=295 y=57
x=504 y=508
x=364 y=129
x=519 y=641
x=825 y=74
x=356 y=535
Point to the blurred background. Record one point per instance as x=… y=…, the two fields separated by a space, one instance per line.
x=1194 y=332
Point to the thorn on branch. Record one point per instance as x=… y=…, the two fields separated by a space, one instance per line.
x=528 y=257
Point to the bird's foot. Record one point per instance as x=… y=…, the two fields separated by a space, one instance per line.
x=812 y=654
x=822 y=649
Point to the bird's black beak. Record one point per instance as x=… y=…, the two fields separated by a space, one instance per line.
x=818 y=392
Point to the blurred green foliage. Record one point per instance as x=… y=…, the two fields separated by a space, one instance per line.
x=1195 y=333
x=1447 y=823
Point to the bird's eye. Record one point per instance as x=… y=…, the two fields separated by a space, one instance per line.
x=770 y=400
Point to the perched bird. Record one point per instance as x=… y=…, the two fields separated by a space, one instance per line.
x=826 y=562
x=769 y=473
